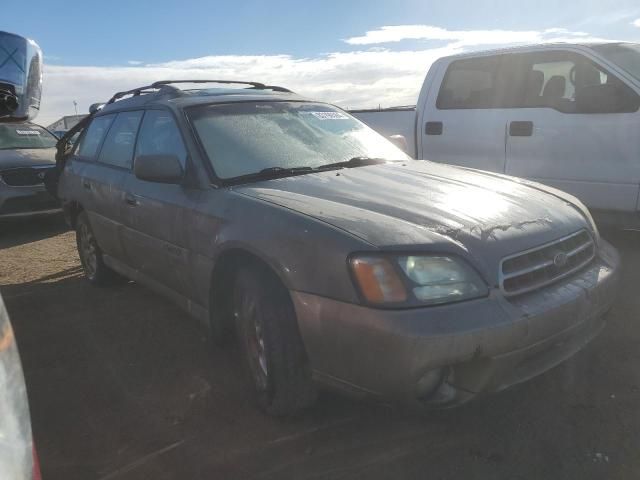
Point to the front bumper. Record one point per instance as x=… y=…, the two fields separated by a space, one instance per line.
x=448 y=354
x=19 y=202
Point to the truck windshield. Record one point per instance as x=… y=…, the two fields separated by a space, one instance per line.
x=245 y=138
x=624 y=55
x=25 y=136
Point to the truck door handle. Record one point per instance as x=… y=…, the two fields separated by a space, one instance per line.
x=433 y=128
x=131 y=200
x=521 y=129
x=86 y=184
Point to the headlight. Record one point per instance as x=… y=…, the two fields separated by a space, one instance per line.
x=414 y=280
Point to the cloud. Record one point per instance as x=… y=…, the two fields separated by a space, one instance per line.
x=462 y=38
x=134 y=62
x=636 y=22
x=352 y=79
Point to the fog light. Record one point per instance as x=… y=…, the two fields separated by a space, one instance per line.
x=429 y=383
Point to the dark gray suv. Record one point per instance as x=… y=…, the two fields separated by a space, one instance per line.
x=335 y=258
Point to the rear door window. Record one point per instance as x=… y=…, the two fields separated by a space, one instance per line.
x=92 y=139
x=121 y=139
x=159 y=135
x=470 y=83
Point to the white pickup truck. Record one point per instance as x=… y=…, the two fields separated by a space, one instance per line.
x=561 y=114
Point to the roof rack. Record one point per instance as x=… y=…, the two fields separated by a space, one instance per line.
x=254 y=85
x=168 y=84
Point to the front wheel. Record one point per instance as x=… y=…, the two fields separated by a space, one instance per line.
x=91 y=256
x=271 y=345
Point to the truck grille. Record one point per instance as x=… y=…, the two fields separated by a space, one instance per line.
x=543 y=265
x=24 y=177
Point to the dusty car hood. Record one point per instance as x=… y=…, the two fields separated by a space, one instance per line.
x=27 y=157
x=419 y=203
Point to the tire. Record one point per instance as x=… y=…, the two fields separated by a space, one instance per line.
x=270 y=344
x=91 y=256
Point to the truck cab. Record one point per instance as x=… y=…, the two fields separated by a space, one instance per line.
x=565 y=115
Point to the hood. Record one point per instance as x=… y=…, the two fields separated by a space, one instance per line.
x=27 y=157
x=421 y=205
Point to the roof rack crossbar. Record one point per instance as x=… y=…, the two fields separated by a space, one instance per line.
x=227 y=82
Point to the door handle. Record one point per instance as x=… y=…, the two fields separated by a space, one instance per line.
x=433 y=128
x=86 y=184
x=131 y=200
x=521 y=129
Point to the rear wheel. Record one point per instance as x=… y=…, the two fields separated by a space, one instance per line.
x=271 y=345
x=91 y=256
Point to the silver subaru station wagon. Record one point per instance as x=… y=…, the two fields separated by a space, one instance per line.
x=335 y=258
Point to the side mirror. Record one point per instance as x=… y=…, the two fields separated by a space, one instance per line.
x=400 y=142
x=20 y=78
x=159 y=169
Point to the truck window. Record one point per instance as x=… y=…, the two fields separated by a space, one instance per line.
x=92 y=139
x=119 y=144
x=470 y=83
x=571 y=83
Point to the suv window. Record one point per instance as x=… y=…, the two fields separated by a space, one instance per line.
x=92 y=139
x=470 y=83
x=571 y=83
x=119 y=145
x=159 y=134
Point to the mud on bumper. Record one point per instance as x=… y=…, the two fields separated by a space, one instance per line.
x=446 y=355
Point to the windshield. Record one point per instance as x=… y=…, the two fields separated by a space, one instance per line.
x=245 y=138
x=25 y=136
x=624 y=55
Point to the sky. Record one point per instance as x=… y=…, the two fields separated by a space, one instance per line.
x=353 y=53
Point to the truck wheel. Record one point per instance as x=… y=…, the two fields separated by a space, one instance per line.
x=271 y=345
x=91 y=256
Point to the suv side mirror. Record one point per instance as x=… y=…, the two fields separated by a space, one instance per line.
x=159 y=169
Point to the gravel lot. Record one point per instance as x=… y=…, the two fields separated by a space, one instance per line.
x=123 y=385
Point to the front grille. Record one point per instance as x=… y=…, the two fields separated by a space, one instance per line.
x=543 y=265
x=24 y=177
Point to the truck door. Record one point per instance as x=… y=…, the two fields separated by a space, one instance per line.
x=576 y=129
x=465 y=113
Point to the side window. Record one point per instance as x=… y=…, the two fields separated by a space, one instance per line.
x=571 y=83
x=159 y=134
x=470 y=83
x=120 y=142
x=92 y=139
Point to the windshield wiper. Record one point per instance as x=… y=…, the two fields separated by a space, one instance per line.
x=284 y=170
x=352 y=163
x=280 y=172
x=269 y=173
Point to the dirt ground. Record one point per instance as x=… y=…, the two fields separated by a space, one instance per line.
x=123 y=385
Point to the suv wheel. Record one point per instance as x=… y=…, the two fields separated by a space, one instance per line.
x=91 y=256
x=271 y=345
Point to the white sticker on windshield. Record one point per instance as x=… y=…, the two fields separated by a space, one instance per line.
x=329 y=115
x=27 y=132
